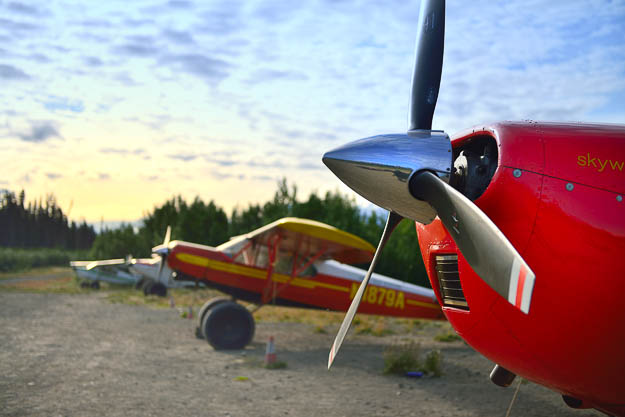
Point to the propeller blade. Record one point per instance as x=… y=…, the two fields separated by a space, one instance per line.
x=391 y=222
x=167 y=236
x=426 y=78
x=160 y=268
x=483 y=245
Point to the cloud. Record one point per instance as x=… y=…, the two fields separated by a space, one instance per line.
x=179 y=37
x=179 y=4
x=266 y=164
x=311 y=166
x=103 y=176
x=224 y=176
x=183 y=157
x=40 y=131
x=210 y=69
x=8 y=72
x=264 y=178
x=222 y=19
x=64 y=104
x=23 y=9
x=95 y=24
x=121 y=151
x=125 y=78
x=138 y=46
x=93 y=61
x=15 y=26
x=53 y=175
x=267 y=75
x=220 y=162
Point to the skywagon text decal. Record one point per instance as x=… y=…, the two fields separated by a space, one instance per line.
x=599 y=164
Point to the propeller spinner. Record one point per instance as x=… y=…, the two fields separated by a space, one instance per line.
x=408 y=175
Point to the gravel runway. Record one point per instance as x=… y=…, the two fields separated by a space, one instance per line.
x=80 y=355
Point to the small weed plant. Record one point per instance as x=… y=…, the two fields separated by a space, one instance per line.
x=402 y=358
x=449 y=336
x=276 y=365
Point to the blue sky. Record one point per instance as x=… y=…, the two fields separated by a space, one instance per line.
x=119 y=105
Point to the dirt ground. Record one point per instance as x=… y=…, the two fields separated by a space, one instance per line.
x=81 y=355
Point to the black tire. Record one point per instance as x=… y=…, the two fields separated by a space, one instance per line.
x=95 y=285
x=147 y=287
x=140 y=283
x=158 y=288
x=228 y=325
x=85 y=284
x=204 y=310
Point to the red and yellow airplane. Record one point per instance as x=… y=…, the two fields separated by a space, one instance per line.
x=522 y=230
x=290 y=262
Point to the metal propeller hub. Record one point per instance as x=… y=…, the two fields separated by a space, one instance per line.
x=380 y=167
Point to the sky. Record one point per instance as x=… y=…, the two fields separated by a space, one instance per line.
x=116 y=106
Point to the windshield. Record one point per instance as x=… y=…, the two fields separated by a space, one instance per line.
x=248 y=252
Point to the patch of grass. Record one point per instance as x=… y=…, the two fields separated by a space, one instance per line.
x=402 y=358
x=399 y=359
x=15 y=259
x=433 y=363
x=64 y=285
x=276 y=365
x=364 y=330
x=241 y=378
x=320 y=330
x=449 y=336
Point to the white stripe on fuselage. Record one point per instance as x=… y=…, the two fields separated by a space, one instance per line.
x=337 y=269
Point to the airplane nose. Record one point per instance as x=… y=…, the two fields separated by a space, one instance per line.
x=379 y=168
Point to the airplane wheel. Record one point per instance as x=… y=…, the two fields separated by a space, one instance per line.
x=85 y=284
x=95 y=285
x=147 y=287
x=228 y=326
x=140 y=283
x=199 y=332
x=158 y=288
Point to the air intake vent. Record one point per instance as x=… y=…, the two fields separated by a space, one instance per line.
x=449 y=281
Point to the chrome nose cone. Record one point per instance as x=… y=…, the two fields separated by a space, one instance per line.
x=379 y=168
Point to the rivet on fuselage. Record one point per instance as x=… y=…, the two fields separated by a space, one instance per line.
x=516 y=173
x=619 y=198
x=570 y=186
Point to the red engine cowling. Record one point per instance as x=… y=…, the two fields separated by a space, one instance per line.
x=556 y=191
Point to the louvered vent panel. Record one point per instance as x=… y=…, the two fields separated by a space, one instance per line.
x=449 y=281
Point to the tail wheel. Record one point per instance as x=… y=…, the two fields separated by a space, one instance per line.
x=228 y=325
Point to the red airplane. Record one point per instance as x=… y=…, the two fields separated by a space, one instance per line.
x=290 y=262
x=522 y=230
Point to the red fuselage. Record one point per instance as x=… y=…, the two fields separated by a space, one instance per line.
x=557 y=194
x=322 y=291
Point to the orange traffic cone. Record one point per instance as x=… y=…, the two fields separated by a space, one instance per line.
x=270 y=352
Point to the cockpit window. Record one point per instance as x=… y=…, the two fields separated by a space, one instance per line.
x=252 y=254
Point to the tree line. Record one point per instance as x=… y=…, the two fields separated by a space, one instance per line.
x=208 y=224
x=40 y=224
